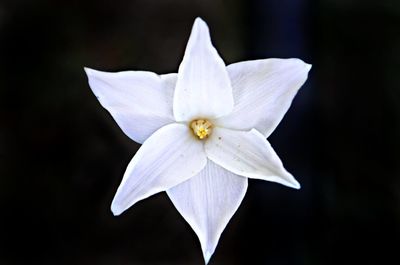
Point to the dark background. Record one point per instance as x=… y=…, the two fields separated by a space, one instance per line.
x=62 y=156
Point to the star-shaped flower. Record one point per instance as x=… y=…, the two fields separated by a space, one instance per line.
x=203 y=131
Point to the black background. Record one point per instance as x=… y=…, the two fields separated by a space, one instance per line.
x=62 y=156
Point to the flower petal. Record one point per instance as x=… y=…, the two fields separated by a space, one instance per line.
x=140 y=102
x=168 y=157
x=208 y=201
x=263 y=91
x=203 y=87
x=247 y=154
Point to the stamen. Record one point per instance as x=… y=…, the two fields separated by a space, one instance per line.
x=201 y=128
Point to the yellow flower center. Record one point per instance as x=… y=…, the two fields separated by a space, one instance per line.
x=201 y=128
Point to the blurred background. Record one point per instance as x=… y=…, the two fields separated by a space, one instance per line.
x=62 y=156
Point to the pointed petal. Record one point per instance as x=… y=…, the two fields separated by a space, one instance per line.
x=168 y=157
x=247 y=154
x=203 y=87
x=263 y=91
x=208 y=201
x=140 y=102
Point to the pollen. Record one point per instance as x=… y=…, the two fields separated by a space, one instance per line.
x=201 y=128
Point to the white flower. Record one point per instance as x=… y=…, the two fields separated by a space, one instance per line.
x=203 y=131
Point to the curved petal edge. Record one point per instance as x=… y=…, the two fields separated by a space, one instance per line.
x=208 y=201
x=140 y=102
x=169 y=157
x=248 y=154
x=263 y=91
x=203 y=87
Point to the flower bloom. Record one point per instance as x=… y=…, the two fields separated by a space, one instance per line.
x=203 y=131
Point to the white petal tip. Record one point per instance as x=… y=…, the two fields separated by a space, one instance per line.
x=289 y=181
x=294 y=184
x=301 y=63
x=88 y=71
x=207 y=256
x=199 y=20
x=200 y=28
x=297 y=187
x=116 y=210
